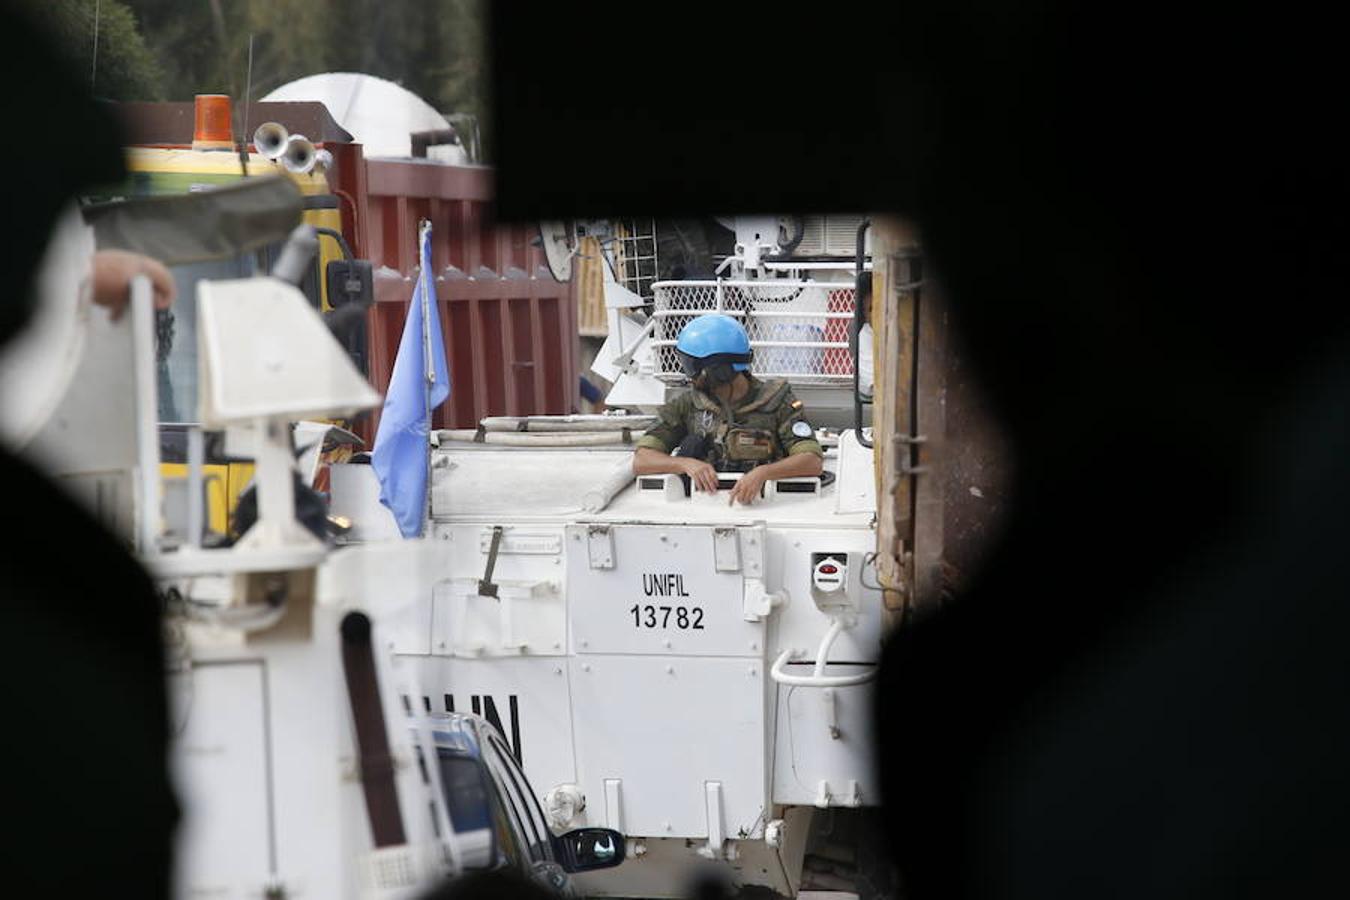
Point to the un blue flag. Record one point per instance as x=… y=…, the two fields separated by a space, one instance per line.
x=420 y=382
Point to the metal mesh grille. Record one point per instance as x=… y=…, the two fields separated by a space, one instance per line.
x=798 y=329
x=635 y=256
x=390 y=868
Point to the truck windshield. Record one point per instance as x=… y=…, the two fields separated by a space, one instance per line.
x=466 y=795
x=176 y=335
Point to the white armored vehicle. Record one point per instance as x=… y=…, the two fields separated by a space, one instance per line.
x=300 y=769
x=690 y=673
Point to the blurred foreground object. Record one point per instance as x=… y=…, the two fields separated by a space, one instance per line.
x=1140 y=694
x=88 y=633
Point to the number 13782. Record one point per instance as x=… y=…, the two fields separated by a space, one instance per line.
x=685 y=618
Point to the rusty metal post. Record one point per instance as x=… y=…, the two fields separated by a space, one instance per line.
x=893 y=338
x=929 y=454
x=943 y=465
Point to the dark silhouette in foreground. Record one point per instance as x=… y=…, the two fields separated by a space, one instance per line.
x=1136 y=216
x=88 y=808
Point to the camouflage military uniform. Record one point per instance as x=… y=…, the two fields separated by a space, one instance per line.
x=766 y=424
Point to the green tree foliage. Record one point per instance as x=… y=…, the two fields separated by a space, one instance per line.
x=121 y=66
x=434 y=48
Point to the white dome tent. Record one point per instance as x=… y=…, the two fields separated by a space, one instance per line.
x=379 y=114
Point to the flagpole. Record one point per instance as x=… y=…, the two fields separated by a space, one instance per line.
x=429 y=370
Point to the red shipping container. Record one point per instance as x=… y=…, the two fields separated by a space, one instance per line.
x=509 y=327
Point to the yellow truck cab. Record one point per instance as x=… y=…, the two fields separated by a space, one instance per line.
x=160 y=161
x=160 y=171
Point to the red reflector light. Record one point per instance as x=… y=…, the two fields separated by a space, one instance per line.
x=828 y=569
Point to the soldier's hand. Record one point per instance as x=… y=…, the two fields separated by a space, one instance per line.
x=113 y=271
x=748 y=487
x=703 y=475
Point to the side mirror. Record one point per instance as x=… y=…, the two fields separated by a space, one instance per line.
x=590 y=848
x=351 y=291
x=350 y=282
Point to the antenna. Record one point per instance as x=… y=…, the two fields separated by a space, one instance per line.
x=93 y=70
x=243 y=126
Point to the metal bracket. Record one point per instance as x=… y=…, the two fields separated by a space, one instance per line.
x=624 y=361
x=716 y=831
x=485 y=586
x=757 y=601
x=519 y=543
x=726 y=550
x=614 y=803
x=913 y=440
x=600 y=546
x=753 y=542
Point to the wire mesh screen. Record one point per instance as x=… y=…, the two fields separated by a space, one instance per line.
x=635 y=255
x=798 y=329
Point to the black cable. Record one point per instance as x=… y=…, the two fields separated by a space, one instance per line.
x=337 y=236
x=857 y=334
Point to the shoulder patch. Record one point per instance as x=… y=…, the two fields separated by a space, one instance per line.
x=801 y=429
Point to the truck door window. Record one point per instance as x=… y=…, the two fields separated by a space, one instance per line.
x=474 y=803
x=509 y=841
x=506 y=797
x=520 y=802
x=467 y=797
x=508 y=838
x=531 y=799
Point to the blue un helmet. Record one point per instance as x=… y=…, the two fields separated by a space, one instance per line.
x=714 y=344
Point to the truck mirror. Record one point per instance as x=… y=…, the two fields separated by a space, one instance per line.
x=590 y=848
x=350 y=281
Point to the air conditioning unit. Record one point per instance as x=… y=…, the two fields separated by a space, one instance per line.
x=830 y=236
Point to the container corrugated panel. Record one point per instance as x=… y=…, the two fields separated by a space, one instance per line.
x=510 y=328
x=589 y=277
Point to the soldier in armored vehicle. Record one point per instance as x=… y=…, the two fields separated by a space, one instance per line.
x=728 y=421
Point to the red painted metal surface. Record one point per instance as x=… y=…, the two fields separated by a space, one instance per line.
x=510 y=329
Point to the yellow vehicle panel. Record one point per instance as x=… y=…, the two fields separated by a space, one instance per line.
x=224 y=483
x=158 y=171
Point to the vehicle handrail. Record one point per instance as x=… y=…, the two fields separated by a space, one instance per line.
x=818 y=678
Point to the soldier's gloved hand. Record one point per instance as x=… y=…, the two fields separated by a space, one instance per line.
x=702 y=474
x=747 y=489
